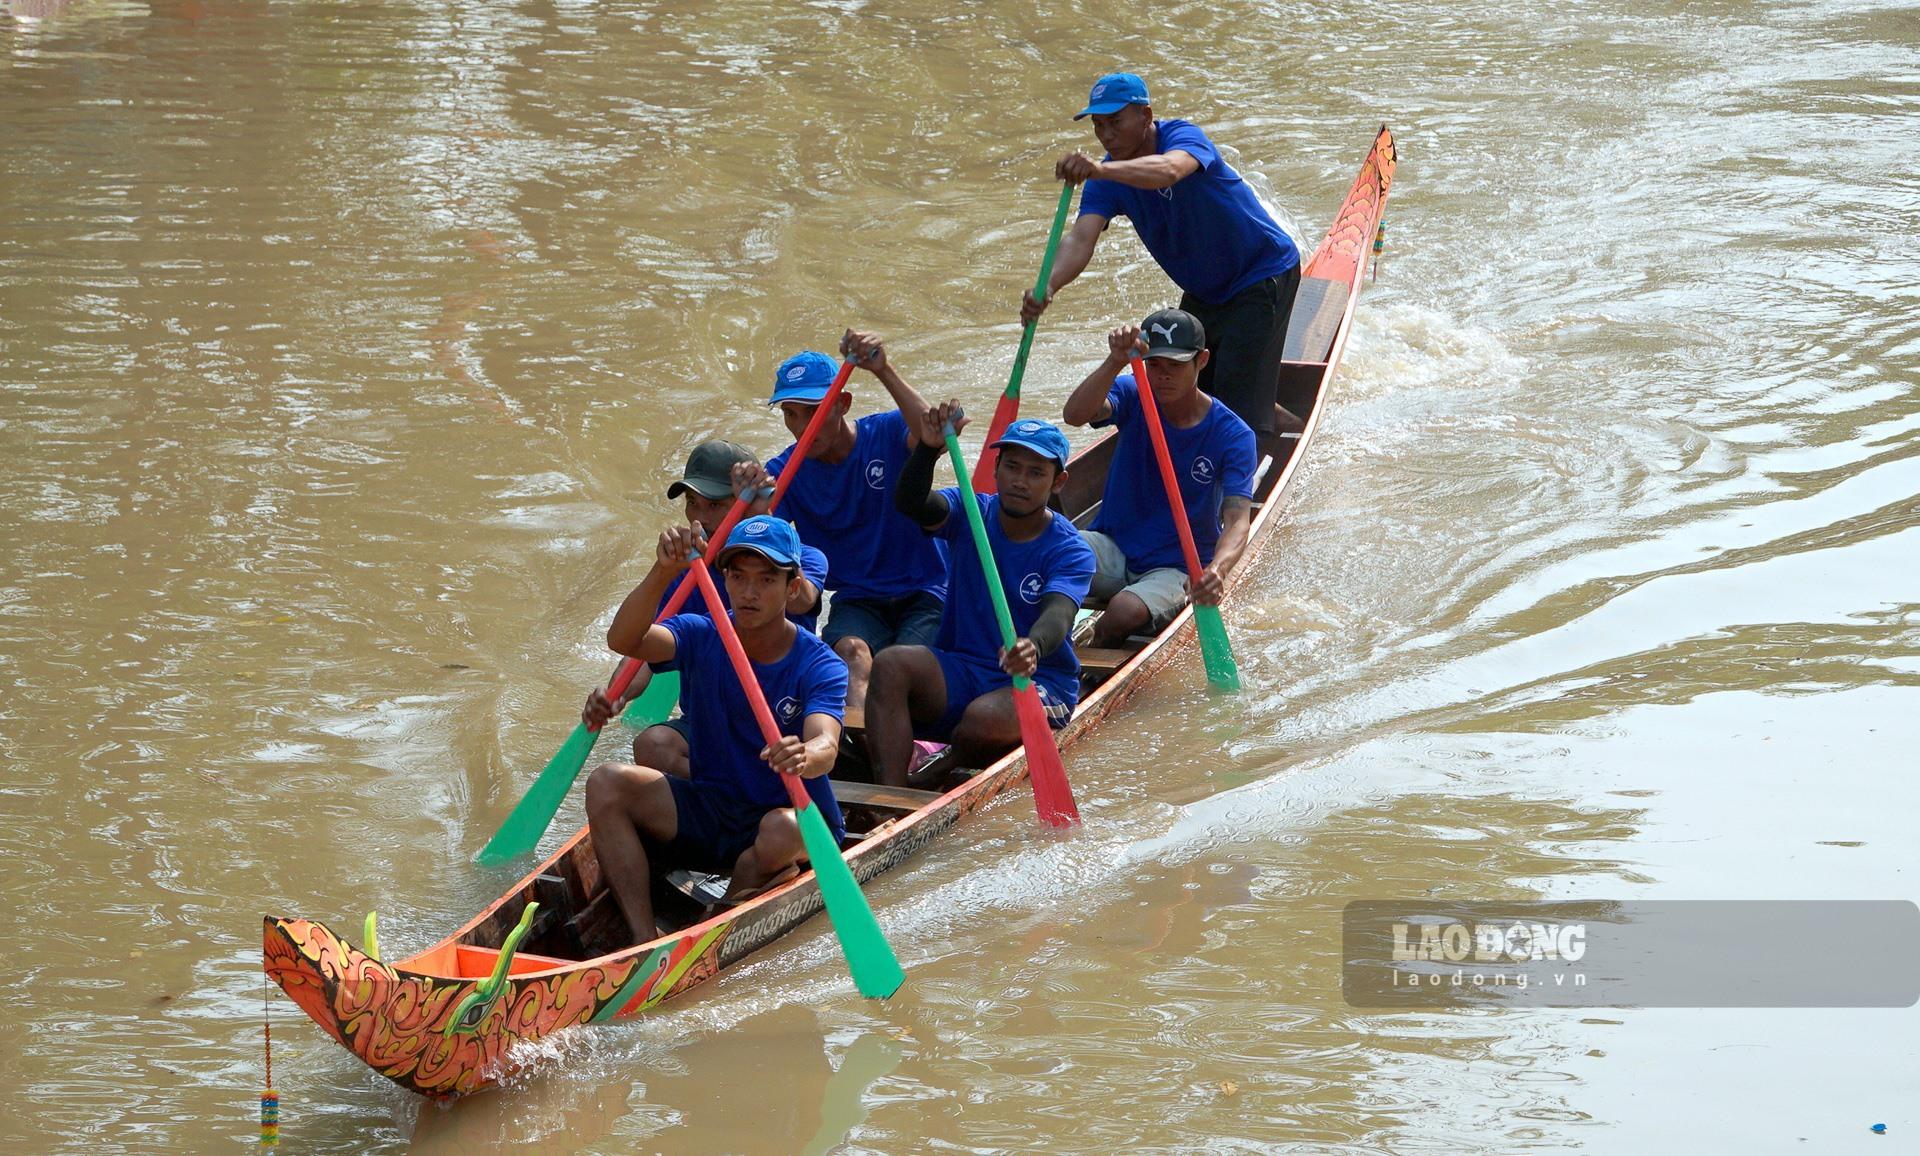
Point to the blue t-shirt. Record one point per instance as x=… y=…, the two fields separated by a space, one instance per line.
x=1211 y=460
x=1208 y=231
x=813 y=567
x=1059 y=561
x=723 y=740
x=847 y=506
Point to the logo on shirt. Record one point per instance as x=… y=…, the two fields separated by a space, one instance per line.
x=787 y=709
x=1203 y=471
x=1030 y=588
x=876 y=474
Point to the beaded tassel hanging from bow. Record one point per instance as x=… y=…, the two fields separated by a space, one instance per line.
x=269 y=1099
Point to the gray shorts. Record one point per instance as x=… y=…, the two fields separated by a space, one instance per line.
x=1164 y=590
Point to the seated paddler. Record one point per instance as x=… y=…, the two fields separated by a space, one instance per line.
x=716 y=472
x=888 y=579
x=730 y=815
x=1142 y=570
x=960 y=689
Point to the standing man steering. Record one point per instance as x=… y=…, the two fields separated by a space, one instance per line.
x=1237 y=269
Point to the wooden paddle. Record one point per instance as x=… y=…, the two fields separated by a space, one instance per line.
x=1052 y=795
x=530 y=817
x=1215 y=652
x=1009 y=407
x=876 y=971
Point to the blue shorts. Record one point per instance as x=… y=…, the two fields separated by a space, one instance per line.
x=968 y=678
x=910 y=620
x=716 y=825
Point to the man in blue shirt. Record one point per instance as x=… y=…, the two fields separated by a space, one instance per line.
x=716 y=471
x=731 y=815
x=961 y=688
x=1142 y=569
x=1237 y=269
x=888 y=579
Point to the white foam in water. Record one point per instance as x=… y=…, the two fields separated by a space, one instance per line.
x=1400 y=346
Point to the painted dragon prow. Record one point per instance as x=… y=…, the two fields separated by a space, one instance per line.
x=443 y=1036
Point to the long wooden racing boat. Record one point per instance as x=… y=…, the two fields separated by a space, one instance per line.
x=555 y=952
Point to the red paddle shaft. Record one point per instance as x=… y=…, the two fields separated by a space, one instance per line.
x=1167 y=477
x=769 y=730
x=629 y=667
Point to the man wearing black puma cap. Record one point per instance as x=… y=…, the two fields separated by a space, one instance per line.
x=1141 y=568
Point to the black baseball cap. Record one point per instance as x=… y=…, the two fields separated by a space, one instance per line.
x=1174 y=334
x=709 y=470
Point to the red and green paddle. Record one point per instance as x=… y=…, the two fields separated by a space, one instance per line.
x=1052 y=795
x=1009 y=407
x=530 y=817
x=1215 y=652
x=876 y=971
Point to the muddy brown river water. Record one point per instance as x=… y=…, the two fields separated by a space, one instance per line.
x=346 y=351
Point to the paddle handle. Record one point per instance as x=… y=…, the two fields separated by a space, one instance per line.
x=624 y=674
x=981 y=547
x=1009 y=406
x=762 y=714
x=1167 y=477
x=1040 y=288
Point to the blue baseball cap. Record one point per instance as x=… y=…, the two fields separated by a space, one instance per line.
x=776 y=541
x=1113 y=92
x=803 y=377
x=1039 y=436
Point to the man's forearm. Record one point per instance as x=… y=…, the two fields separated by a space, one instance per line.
x=1233 y=536
x=912 y=406
x=1076 y=249
x=914 y=496
x=1090 y=396
x=1154 y=172
x=1050 y=629
x=636 y=613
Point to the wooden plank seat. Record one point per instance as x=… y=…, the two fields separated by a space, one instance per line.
x=905 y=800
x=1101 y=660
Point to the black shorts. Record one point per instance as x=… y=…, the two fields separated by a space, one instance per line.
x=1246 y=337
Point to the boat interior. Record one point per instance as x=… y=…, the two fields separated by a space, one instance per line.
x=578 y=917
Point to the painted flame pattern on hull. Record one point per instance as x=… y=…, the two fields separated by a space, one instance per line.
x=397 y=1021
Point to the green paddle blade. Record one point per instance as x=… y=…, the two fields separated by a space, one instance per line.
x=875 y=970
x=656 y=702
x=1215 y=652
x=536 y=809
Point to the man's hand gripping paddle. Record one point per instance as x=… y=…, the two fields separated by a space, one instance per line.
x=1009 y=407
